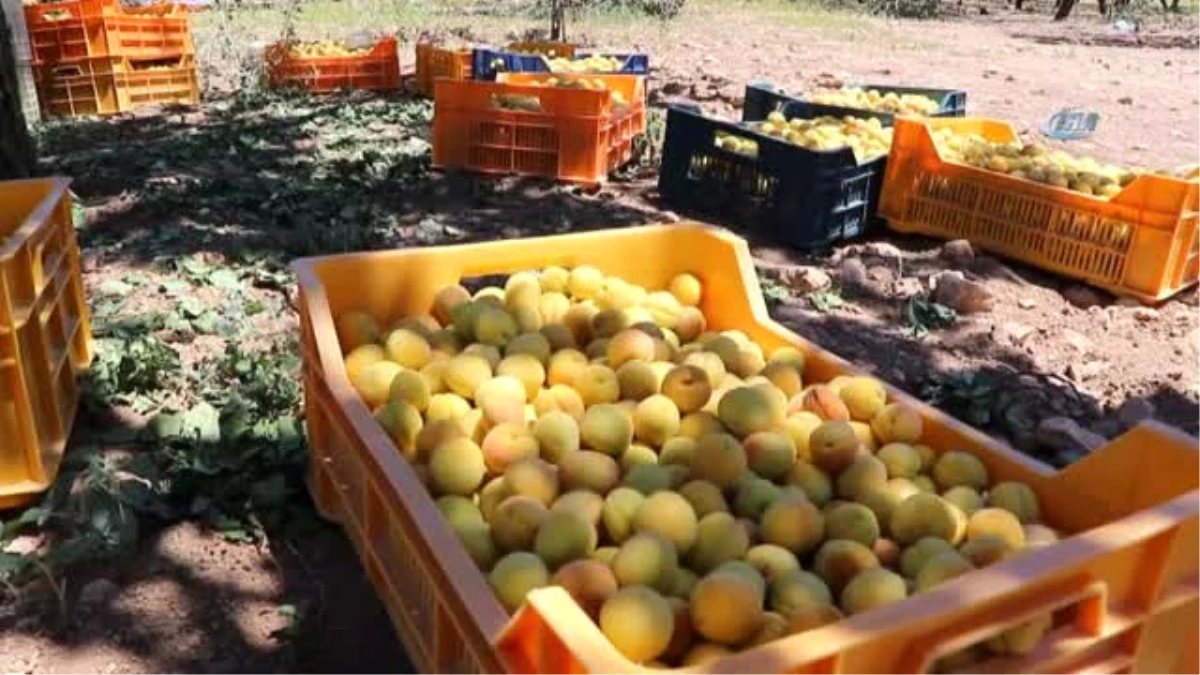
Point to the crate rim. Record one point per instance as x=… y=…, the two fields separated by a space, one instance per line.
x=844 y=153
x=978 y=173
x=58 y=186
x=1001 y=581
x=398 y=474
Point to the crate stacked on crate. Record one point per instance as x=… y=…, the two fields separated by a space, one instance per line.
x=94 y=57
x=45 y=337
x=792 y=169
x=437 y=60
x=1071 y=583
x=1133 y=233
x=325 y=67
x=572 y=128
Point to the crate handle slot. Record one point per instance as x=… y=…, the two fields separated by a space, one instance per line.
x=1087 y=596
x=68 y=71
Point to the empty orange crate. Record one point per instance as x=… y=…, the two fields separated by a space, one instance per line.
x=65 y=31
x=434 y=61
x=377 y=70
x=108 y=87
x=577 y=135
x=1141 y=242
x=45 y=336
x=1129 y=578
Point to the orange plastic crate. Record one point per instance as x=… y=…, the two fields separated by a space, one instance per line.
x=377 y=70
x=1129 y=577
x=108 y=87
x=434 y=62
x=1141 y=243
x=576 y=135
x=45 y=334
x=94 y=29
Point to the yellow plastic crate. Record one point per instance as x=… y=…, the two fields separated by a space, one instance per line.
x=1128 y=578
x=45 y=334
x=1141 y=243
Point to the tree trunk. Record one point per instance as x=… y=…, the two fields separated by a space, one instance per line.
x=16 y=148
x=1103 y=7
x=1064 y=9
x=557 y=11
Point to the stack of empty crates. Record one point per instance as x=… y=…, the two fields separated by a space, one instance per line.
x=94 y=57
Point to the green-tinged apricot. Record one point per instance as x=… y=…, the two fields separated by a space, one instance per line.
x=840 y=560
x=771 y=561
x=942 y=567
x=927 y=515
x=589 y=505
x=833 y=446
x=915 y=556
x=719 y=539
x=655 y=420
x=638 y=622
x=646 y=559
x=873 y=588
x=564 y=536
x=794 y=524
x=670 y=516
x=719 y=459
x=1018 y=499
x=704 y=497
x=796 y=589
x=515 y=575
x=865 y=474
x=516 y=522
x=954 y=468
x=588 y=470
x=456 y=467
x=533 y=478
x=852 y=521
x=726 y=608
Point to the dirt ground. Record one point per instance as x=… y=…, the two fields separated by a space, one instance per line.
x=191 y=601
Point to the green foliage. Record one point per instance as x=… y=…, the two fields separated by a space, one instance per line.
x=773 y=292
x=193 y=404
x=131 y=365
x=825 y=301
x=922 y=315
x=906 y=9
x=967 y=395
x=232 y=456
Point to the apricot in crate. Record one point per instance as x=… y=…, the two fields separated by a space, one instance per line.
x=702 y=511
x=748 y=457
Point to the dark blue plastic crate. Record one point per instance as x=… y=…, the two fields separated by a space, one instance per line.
x=763 y=97
x=807 y=199
x=485 y=61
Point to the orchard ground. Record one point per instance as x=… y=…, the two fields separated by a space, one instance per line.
x=188 y=217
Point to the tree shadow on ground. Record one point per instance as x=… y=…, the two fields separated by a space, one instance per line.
x=185 y=598
x=290 y=176
x=1133 y=41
